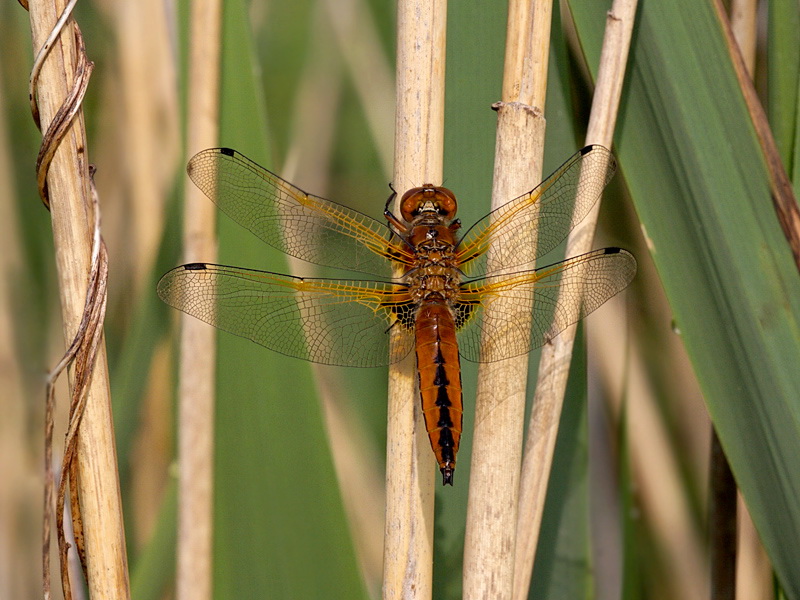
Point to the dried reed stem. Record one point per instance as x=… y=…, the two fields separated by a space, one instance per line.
x=70 y=201
x=198 y=340
x=744 y=25
x=722 y=504
x=500 y=400
x=753 y=569
x=556 y=356
x=419 y=139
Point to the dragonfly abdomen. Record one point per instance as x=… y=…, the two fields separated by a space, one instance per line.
x=440 y=383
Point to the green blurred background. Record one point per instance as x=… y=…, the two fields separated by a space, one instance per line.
x=709 y=326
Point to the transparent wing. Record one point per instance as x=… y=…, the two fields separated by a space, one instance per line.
x=287 y=218
x=511 y=329
x=334 y=322
x=539 y=219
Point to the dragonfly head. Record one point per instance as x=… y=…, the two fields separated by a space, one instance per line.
x=428 y=200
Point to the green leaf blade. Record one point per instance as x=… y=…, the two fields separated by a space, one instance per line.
x=697 y=176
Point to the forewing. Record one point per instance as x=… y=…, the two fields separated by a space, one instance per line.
x=536 y=222
x=287 y=218
x=494 y=318
x=334 y=322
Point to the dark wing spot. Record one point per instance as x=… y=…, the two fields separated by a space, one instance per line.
x=195 y=267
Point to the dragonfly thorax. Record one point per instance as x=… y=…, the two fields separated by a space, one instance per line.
x=431 y=238
x=436 y=278
x=434 y=284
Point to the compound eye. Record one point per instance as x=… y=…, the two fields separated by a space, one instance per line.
x=411 y=202
x=447 y=202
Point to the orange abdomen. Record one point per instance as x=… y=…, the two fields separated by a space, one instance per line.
x=440 y=383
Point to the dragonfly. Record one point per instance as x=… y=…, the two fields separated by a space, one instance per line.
x=428 y=289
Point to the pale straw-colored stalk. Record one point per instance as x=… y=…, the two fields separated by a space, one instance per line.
x=419 y=140
x=500 y=401
x=71 y=212
x=197 y=373
x=754 y=575
x=556 y=356
x=744 y=23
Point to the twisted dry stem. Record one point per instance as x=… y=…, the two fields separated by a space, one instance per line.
x=85 y=346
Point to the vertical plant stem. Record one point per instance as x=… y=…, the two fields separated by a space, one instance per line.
x=70 y=203
x=419 y=147
x=721 y=523
x=556 y=357
x=754 y=574
x=744 y=25
x=500 y=400
x=198 y=341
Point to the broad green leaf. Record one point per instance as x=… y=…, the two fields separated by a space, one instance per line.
x=280 y=529
x=697 y=176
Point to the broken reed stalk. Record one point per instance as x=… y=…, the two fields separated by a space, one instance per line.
x=500 y=400
x=67 y=191
x=419 y=144
x=556 y=356
x=197 y=371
